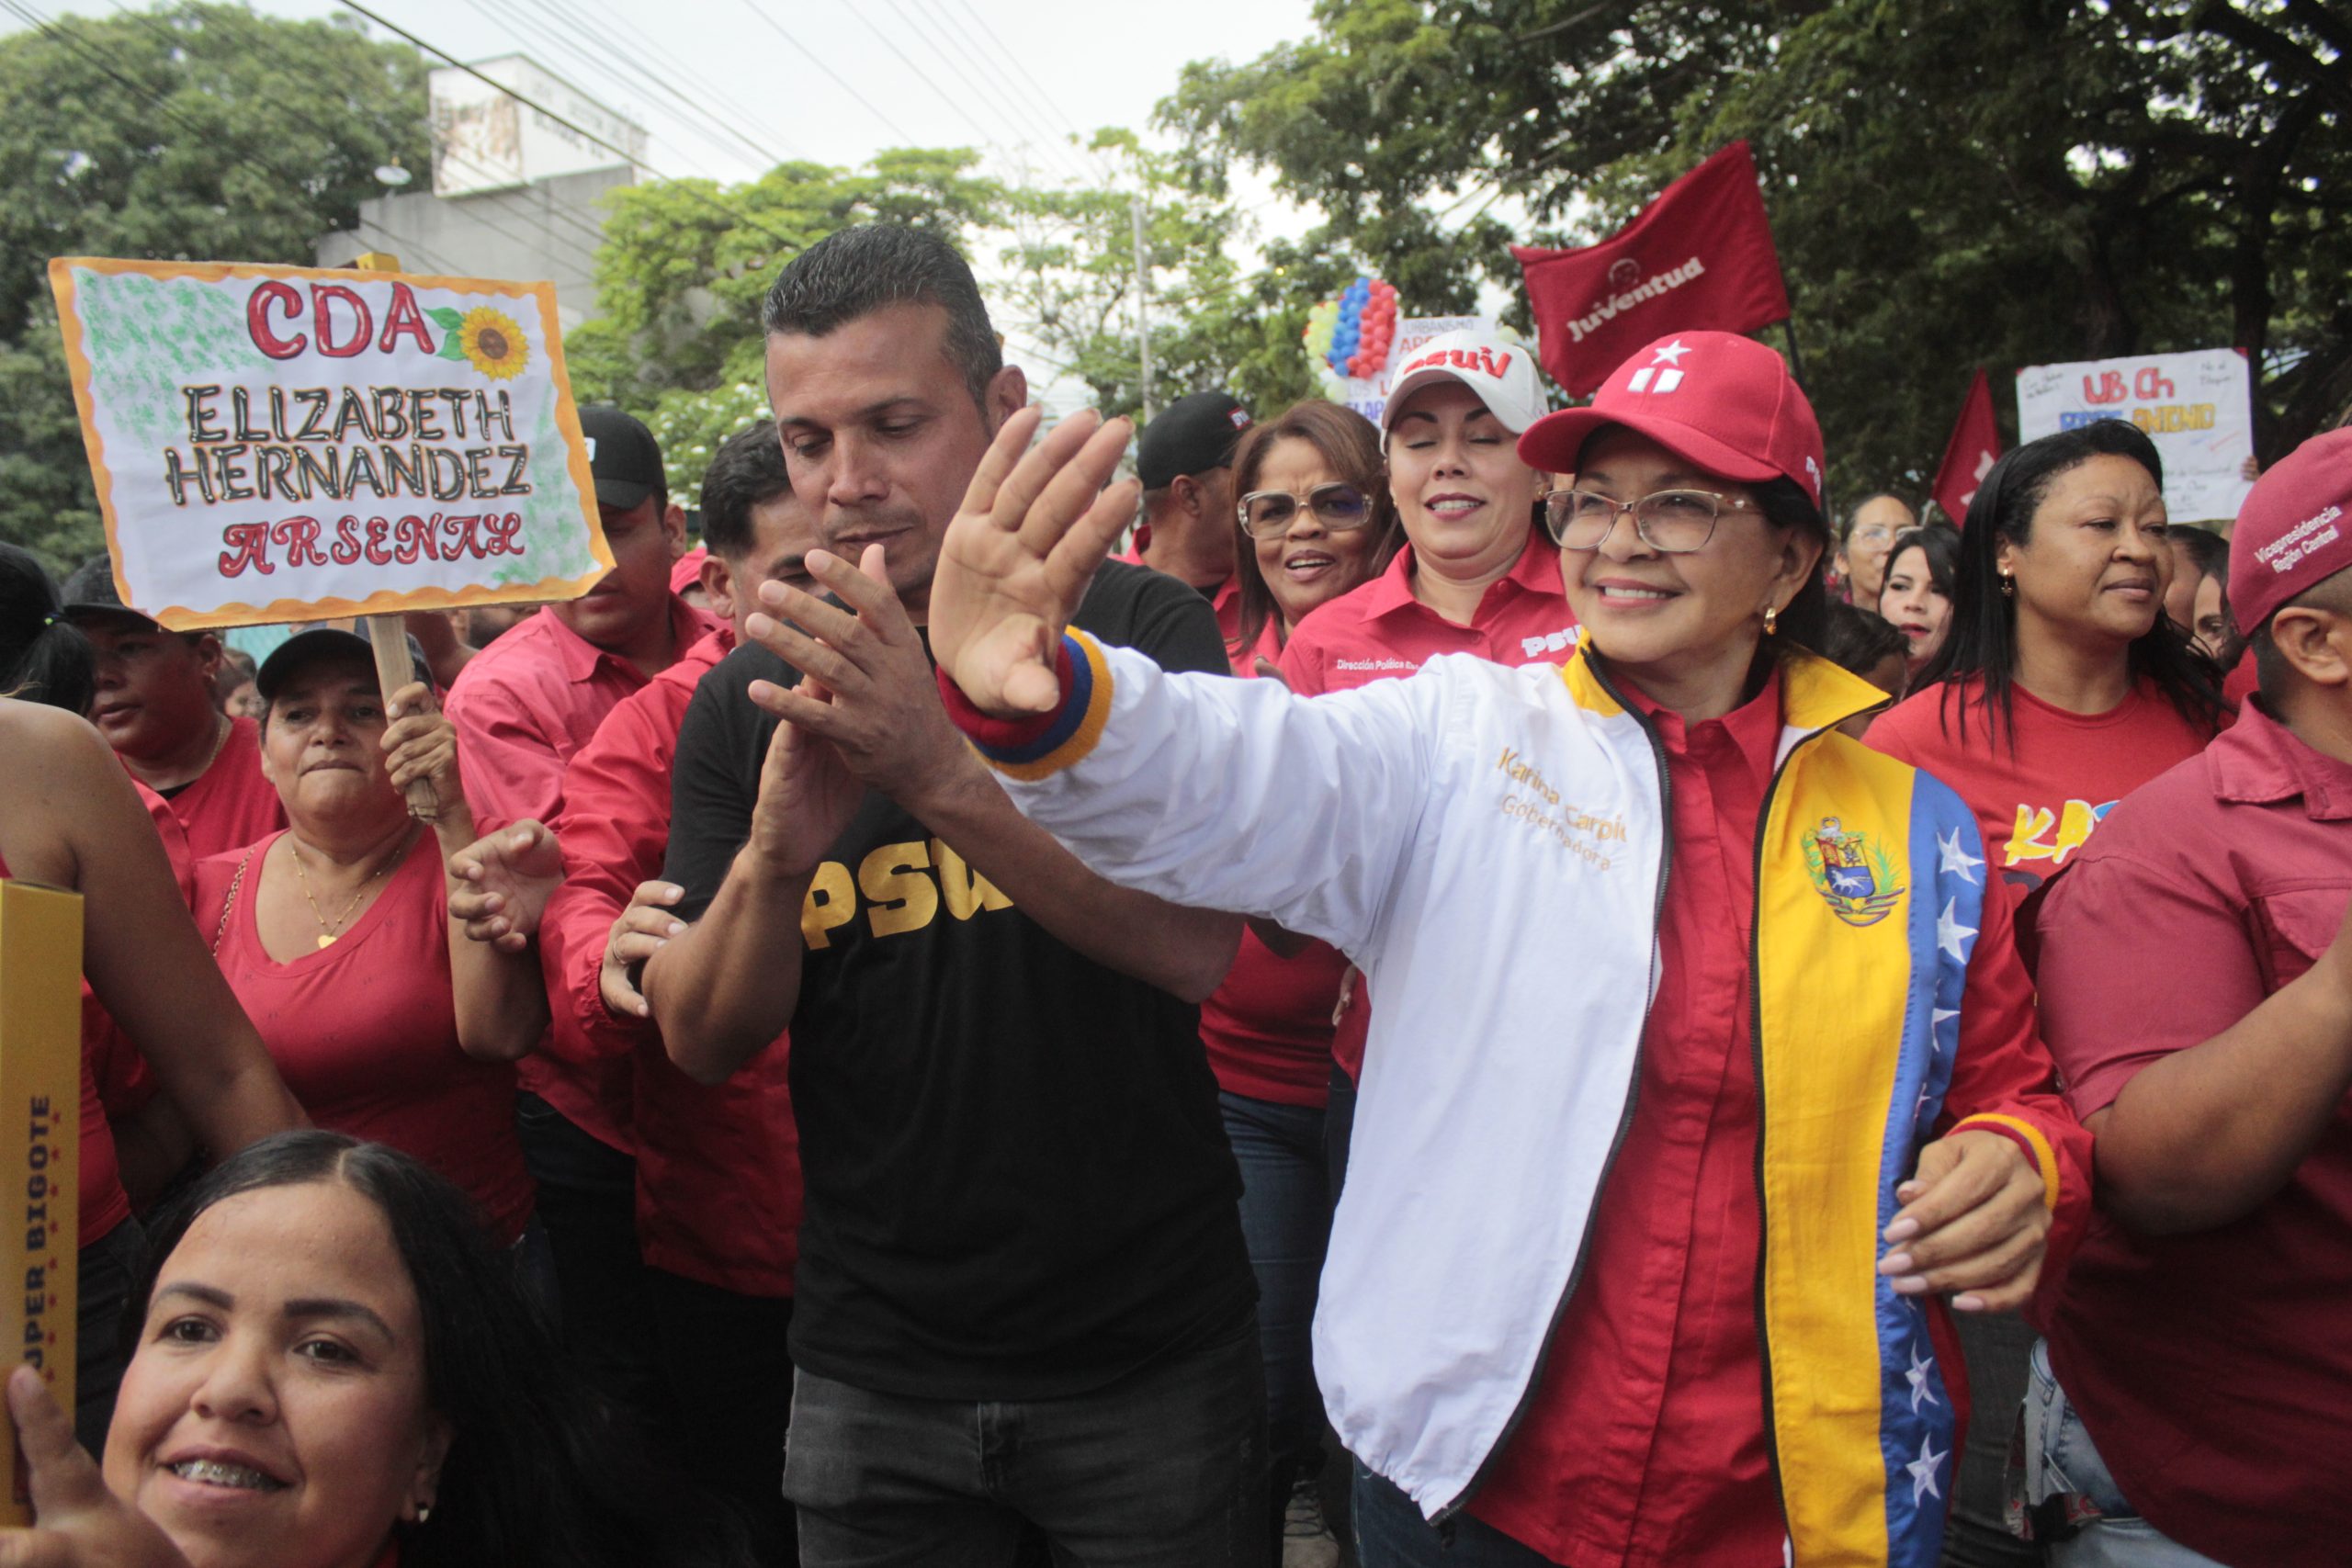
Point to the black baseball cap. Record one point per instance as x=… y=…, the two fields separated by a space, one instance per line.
x=89 y=591
x=623 y=455
x=305 y=648
x=1191 y=435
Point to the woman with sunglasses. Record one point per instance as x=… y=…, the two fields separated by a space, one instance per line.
x=1315 y=522
x=1704 y=1061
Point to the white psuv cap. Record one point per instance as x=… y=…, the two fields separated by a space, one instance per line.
x=1501 y=370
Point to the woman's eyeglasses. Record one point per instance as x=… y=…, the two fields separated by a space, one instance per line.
x=1268 y=513
x=1676 y=521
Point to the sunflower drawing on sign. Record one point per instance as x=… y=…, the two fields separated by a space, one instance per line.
x=487 y=339
x=1853 y=873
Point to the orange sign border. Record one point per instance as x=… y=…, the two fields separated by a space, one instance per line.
x=180 y=618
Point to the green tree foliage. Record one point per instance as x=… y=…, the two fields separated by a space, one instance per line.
x=2015 y=182
x=683 y=271
x=1071 y=261
x=196 y=131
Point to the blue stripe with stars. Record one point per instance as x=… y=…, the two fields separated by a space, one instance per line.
x=1916 y=1430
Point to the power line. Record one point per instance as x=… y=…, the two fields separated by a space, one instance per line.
x=1043 y=96
x=708 y=127
x=1003 y=97
x=943 y=94
x=732 y=105
x=838 y=79
x=631 y=159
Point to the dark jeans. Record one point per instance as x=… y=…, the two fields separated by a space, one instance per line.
x=1391 y=1533
x=587 y=1204
x=1336 y=1489
x=1976 y=1535
x=1164 y=1469
x=1285 y=1222
x=727 y=1397
x=105 y=1267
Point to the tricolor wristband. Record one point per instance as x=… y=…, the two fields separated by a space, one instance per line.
x=1021 y=740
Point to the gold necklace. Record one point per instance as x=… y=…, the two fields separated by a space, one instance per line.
x=327 y=934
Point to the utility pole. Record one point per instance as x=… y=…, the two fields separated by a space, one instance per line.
x=1143 y=306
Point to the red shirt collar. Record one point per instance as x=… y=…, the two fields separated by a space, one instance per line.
x=580 y=659
x=1537 y=570
x=1753 y=728
x=2260 y=761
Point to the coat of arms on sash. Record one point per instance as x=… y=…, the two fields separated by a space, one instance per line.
x=1853 y=873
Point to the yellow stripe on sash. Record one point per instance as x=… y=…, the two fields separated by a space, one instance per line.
x=1833 y=958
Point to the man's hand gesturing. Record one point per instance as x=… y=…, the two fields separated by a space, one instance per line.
x=1017 y=557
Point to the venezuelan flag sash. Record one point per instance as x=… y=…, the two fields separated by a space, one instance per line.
x=1859 y=963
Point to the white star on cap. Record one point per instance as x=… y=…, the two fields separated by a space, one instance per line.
x=1956 y=859
x=1917 y=1376
x=1923 y=1472
x=1950 y=931
x=1672 y=353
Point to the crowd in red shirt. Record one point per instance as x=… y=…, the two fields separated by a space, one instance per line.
x=2174 y=853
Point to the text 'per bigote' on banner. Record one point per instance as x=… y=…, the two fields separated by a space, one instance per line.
x=286 y=444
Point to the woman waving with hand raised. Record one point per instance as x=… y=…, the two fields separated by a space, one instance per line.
x=1652 y=940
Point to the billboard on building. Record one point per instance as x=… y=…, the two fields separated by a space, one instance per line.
x=483 y=140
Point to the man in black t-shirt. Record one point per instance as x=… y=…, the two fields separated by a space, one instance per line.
x=1023 y=1296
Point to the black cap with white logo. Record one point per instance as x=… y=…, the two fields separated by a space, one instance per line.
x=623 y=455
x=1191 y=435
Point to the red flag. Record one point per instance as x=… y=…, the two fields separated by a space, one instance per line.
x=1698 y=258
x=1969 y=456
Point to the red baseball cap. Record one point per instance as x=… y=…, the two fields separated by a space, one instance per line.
x=1720 y=401
x=2294 y=529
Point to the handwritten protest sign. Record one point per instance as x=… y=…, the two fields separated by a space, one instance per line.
x=2197 y=408
x=288 y=443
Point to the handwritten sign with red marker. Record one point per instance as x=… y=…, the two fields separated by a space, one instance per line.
x=288 y=443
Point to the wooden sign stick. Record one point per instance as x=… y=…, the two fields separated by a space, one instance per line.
x=388 y=635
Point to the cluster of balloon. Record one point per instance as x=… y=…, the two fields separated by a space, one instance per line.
x=1351 y=333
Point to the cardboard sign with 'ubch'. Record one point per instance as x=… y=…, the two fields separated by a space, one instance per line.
x=1698 y=258
x=293 y=444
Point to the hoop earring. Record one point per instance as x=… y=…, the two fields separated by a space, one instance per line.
x=1771 y=621
x=2008 y=586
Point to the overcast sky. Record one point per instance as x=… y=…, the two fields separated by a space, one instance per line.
x=836 y=83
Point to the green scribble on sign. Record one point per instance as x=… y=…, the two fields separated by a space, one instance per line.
x=147 y=337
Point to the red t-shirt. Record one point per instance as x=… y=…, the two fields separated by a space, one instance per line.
x=1267 y=1027
x=1645 y=1442
x=717 y=1166
x=522 y=707
x=1380 y=630
x=2041 y=788
x=229 y=805
x=365 y=1033
x=2213 y=1370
